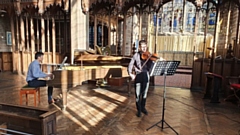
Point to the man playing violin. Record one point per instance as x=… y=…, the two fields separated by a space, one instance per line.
x=141 y=66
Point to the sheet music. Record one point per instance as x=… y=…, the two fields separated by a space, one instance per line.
x=161 y=67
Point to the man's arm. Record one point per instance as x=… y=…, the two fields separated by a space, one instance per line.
x=37 y=72
x=130 y=67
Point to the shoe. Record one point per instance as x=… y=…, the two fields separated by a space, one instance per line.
x=51 y=101
x=138 y=114
x=145 y=111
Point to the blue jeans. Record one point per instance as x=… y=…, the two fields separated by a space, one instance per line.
x=41 y=83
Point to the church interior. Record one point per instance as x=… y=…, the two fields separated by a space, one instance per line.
x=194 y=86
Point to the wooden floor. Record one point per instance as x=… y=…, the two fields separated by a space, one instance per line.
x=111 y=111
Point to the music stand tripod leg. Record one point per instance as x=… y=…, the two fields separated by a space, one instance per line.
x=163 y=109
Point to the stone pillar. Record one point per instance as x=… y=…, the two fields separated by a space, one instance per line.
x=14 y=56
x=53 y=41
x=172 y=16
x=196 y=30
x=27 y=34
x=48 y=40
x=19 y=67
x=156 y=33
x=184 y=16
x=79 y=28
x=140 y=24
x=22 y=48
x=124 y=34
x=24 y=61
x=135 y=27
x=27 y=51
x=149 y=30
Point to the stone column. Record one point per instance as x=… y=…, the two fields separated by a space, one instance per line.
x=27 y=34
x=156 y=33
x=140 y=24
x=148 y=30
x=79 y=28
x=196 y=30
x=27 y=51
x=53 y=41
x=24 y=69
x=19 y=67
x=172 y=16
x=236 y=44
x=124 y=34
x=14 y=56
x=184 y=16
x=48 y=40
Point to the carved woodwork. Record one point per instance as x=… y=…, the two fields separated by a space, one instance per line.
x=39 y=6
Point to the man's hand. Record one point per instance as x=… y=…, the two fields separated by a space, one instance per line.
x=50 y=76
x=132 y=77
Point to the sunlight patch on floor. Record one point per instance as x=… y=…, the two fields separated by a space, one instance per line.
x=92 y=109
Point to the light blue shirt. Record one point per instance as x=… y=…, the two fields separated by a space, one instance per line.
x=34 y=71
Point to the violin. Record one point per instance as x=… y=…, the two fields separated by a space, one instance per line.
x=148 y=56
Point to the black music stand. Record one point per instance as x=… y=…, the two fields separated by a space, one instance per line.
x=164 y=68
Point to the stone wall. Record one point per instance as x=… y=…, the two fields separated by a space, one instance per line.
x=228 y=30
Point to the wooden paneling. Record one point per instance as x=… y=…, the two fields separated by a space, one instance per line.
x=223 y=67
x=6 y=61
x=186 y=58
x=196 y=74
x=28 y=119
x=218 y=67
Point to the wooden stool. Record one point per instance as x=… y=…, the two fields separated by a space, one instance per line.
x=30 y=90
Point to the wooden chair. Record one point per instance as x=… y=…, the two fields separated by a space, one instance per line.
x=30 y=90
x=234 y=86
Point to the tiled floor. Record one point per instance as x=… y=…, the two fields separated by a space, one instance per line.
x=110 y=111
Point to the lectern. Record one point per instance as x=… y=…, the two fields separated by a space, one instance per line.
x=164 y=68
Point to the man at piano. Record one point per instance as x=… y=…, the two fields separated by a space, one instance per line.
x=35 y=72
